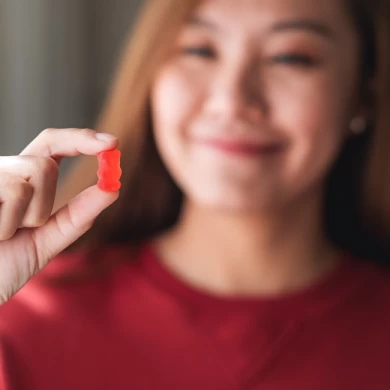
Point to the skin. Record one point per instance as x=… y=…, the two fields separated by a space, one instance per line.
x=31 y=234
x=280 y=95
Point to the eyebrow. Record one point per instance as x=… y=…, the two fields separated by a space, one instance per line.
x=304 y=25
x=308 y=25
x=198 y=21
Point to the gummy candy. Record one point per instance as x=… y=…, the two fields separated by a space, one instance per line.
x=109 y=171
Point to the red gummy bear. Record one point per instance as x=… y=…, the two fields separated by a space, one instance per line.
x=109 y=171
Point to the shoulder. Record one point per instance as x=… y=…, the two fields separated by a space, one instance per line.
x=373 y=291
x=363 y=323
x=375 y=276
x=71 y=284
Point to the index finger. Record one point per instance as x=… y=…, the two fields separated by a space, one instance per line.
x=57 y=143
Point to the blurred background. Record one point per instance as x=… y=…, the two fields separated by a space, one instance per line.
x=57 y=58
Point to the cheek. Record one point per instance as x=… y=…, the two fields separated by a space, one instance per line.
x=311 y=104
x=172 y=102
x=175 y=98
x=315 y=124
x=178 y=93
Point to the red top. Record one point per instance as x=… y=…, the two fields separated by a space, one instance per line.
x=142 y=328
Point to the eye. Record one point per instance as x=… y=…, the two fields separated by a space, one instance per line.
x=199 y=51
x=294 y=59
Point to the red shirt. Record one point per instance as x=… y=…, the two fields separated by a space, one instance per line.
x=142 y=328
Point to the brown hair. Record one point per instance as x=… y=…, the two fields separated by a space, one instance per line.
x=357 y=210
x=358 y=196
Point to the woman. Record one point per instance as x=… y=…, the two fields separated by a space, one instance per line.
x=248 y=247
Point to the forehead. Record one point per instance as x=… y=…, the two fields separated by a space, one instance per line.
x=258 y=13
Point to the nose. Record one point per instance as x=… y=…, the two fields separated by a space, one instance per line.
x=237 y=94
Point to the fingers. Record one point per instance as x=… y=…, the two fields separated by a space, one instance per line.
x=28 y=182
x=44 y=182
x=15 y=197
x=38 y=165
x=40 y=174
x=57 y=143
x=27 y=191
x=70 y=222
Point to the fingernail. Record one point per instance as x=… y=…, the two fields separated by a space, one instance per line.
x=105 y=137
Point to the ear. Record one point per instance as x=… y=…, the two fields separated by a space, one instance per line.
x=364 y=114
x=368 y=99
x=358 y=125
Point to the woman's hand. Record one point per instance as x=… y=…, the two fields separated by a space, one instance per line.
x=30 y=235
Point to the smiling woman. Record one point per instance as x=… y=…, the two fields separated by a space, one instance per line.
x=244 y=250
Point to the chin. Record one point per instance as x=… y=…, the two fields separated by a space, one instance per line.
x=236 y=204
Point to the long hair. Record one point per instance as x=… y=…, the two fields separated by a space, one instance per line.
x=357 y=209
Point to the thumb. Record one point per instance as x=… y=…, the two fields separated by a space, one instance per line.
x=70 y=222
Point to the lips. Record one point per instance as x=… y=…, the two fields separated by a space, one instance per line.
x=240 y=147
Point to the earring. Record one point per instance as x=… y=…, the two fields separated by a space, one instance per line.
x=358 y=125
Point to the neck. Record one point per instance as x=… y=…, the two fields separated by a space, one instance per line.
x=236 y=254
